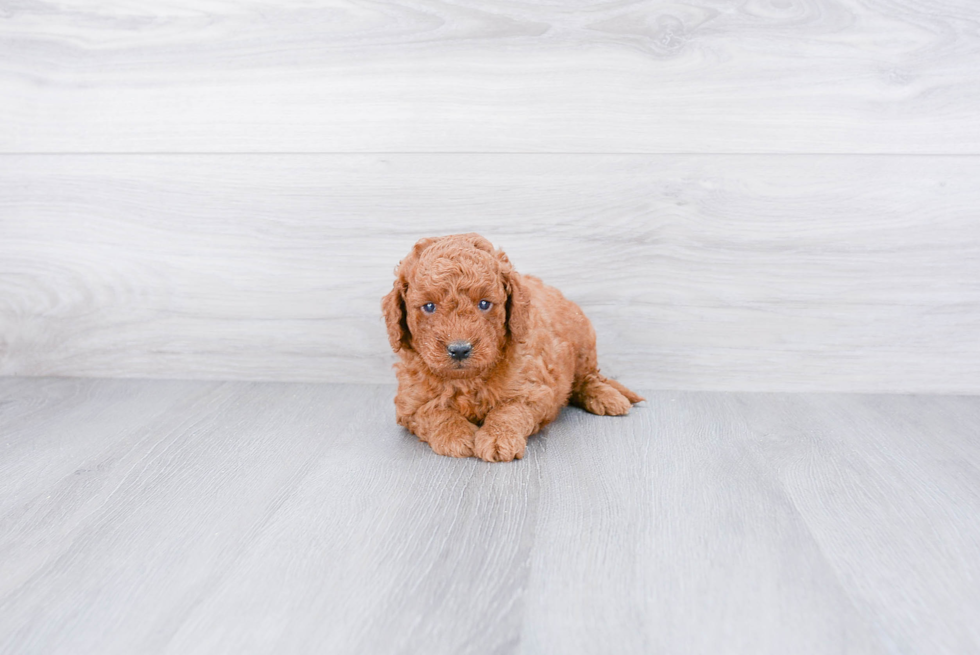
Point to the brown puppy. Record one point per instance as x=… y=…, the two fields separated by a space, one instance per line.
x=488 y=357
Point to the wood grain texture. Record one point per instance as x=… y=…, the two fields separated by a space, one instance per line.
x=700 y=272
x=868 y=76
x=197 y=517
x=708 y=506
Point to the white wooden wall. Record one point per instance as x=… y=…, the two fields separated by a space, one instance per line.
x=742 y=194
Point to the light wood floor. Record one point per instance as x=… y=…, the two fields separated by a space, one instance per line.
x=209 y=517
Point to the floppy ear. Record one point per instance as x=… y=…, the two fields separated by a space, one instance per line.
x=393 y=304
x=393 y=308
x=518 y=300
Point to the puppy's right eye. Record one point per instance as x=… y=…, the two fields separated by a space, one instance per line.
x=429 y=307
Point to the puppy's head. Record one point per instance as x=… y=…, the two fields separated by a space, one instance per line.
x=456 y=302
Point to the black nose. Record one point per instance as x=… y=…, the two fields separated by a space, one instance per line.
x=459 y=350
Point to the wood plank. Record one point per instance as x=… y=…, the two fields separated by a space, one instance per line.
x=677 y=538
x=901 y=460
x=348 y=534
x=826 y=76
x=384 y=547
x=758 y=523
x=268 y=518
x=720 y=272
x=65 y=459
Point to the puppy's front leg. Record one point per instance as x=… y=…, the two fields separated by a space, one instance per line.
x=446 y=431
x=505 y=431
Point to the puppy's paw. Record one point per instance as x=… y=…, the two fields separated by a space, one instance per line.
x=452 y=448
x=454 y=444
x=498 y=446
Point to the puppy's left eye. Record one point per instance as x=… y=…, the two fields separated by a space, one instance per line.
x=485 y=305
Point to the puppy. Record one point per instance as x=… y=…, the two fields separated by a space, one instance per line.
x=488 y=356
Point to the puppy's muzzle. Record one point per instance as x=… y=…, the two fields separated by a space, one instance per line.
x=459 y=350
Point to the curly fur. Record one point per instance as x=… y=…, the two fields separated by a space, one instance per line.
x=533 y=351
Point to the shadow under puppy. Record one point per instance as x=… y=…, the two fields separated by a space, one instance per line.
x=488 y=356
